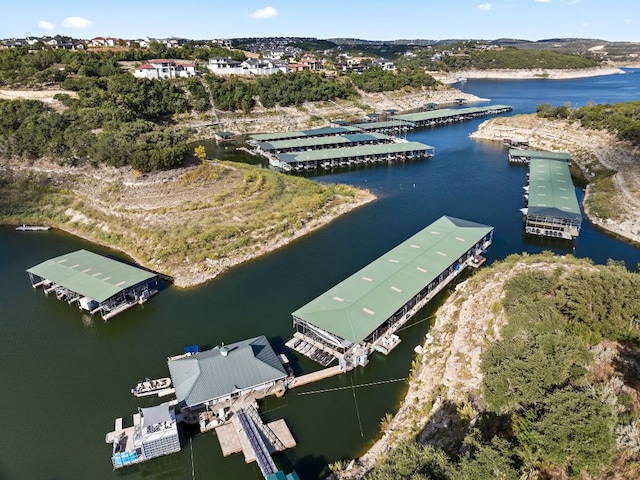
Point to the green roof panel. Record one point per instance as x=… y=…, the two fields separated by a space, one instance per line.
x=91 y=275
x=551 y=191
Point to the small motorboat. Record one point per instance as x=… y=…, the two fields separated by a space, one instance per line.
x=151 y=387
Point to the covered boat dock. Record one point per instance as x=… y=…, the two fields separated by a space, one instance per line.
x=362 y=313
x=451 y=115
x=525 y=156
x=316 y=132
x=391 y=127
x=552 y=206
x=319 y=143
x=348 y=156
x=96 y=283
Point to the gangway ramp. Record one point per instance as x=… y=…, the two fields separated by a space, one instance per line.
x=263 y=457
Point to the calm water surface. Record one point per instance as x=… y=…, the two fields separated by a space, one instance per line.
x=66 y=375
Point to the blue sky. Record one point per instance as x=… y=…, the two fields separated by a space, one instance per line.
x=614 y=20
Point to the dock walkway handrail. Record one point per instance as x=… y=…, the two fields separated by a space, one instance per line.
x=265 y=462
x=266 y=431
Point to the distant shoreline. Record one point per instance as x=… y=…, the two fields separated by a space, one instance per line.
x=524 y=74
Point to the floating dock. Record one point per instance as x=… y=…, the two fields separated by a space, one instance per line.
x=350 y=156
x=552 y=206
x=523 y=157
x=32 y=228
x=322 y=143
x=362 y=313
x=451 y=115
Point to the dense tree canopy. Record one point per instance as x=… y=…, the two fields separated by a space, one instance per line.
x=622 y=119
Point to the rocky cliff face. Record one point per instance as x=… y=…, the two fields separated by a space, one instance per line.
x=596 y=153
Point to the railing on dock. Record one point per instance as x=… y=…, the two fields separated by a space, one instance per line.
x=263 y=457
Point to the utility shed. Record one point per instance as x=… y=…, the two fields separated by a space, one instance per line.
x=225 y=372
x=97 y=283
x=552 y=209
x=392 y=288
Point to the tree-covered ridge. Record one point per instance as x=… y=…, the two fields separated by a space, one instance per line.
x=377 y=80
x=468 y=57
x=559 y=390
x=622 y=119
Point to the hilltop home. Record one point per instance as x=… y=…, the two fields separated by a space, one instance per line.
x=166 y=68
x=251 y=66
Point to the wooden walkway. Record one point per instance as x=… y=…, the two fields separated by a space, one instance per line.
x=315 y=376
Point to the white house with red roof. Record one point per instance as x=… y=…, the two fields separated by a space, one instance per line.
x=165 y=68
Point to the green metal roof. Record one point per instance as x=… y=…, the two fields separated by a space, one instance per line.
x=551 y=191
x=539 y=154
x=317 y=132
x=448 y=112
x=348 y=152
x=306 y=142
x=384 y=124
x=91 y=275
x=203 y=376
x=355 y=307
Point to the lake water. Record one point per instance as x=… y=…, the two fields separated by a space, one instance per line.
x=66 y=375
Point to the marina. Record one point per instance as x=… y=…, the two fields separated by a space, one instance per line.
x=466 y=175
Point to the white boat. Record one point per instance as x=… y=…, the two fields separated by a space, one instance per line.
x=160 y=387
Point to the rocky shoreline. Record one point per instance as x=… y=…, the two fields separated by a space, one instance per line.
x=592 y=151
x=447 y=366
x=521 y=74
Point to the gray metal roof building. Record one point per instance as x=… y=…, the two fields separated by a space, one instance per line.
x=353 y=309
x=223 y=371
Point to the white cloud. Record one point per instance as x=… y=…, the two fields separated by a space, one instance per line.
x=542 y=1
x=44 y=25
x=627 y=20
x=586 y=24
x=76 y=22
x=484 y=6
x=264 y=13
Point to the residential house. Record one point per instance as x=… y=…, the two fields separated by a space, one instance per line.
x=384 y=64
x=251 y=66
x=307 y=62
x=165 y=68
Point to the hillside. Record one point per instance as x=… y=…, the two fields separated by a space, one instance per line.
x=612 y=199
x=519 y=379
